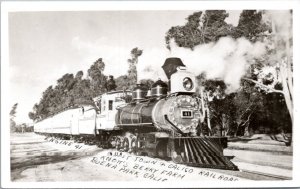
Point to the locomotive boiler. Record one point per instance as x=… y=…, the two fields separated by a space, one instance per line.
x=162 y=121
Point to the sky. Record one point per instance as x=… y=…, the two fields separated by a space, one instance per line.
x=43 y=46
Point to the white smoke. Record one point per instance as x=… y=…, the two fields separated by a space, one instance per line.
x=150 y=64
x=228 y=59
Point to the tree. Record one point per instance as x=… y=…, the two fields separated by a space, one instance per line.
x=66 y=82
x=79 y=75
x=214 y=26
x=122 y=82
x=245 y=104
x=147 y=83
x=13 y=111
x=199 y=29
x=12 y=115
x=132 y=71
x=278 y=62
x=32 y=116
x=284 y=60
x=210 y=26
x=222 y=111
x=188 y=35
x=209 y=91
x=71 y=91
x=250 y=26
x=68 y=91
x=96 y=69
x=214 y=94
x=98 y=79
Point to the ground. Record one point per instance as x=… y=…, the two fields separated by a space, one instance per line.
x=37 y=158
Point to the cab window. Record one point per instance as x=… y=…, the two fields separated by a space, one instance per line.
x=110 y=105
x=99 y=105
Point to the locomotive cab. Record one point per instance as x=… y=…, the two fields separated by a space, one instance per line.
x=108 y=106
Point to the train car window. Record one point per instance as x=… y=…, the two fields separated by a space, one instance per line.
x=110 y=105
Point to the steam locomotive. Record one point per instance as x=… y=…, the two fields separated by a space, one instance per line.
x=161 y=122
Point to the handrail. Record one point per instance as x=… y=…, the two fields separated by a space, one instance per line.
x=166 y=117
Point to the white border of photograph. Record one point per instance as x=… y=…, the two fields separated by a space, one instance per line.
x=7 y=7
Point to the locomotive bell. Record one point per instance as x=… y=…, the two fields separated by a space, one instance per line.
x=170 y=66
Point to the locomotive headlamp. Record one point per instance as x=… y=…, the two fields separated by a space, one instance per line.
x=188 y=83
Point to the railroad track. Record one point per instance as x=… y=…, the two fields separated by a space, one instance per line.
x=278 y=177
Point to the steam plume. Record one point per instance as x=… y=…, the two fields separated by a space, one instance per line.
x=228 y=59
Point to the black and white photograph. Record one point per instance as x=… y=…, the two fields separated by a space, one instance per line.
x=149 y=94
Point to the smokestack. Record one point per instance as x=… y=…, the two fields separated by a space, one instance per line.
x=170 y=66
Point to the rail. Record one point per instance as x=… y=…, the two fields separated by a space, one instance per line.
x=280 y=177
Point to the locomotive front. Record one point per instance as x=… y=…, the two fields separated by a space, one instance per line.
x=180 y=110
